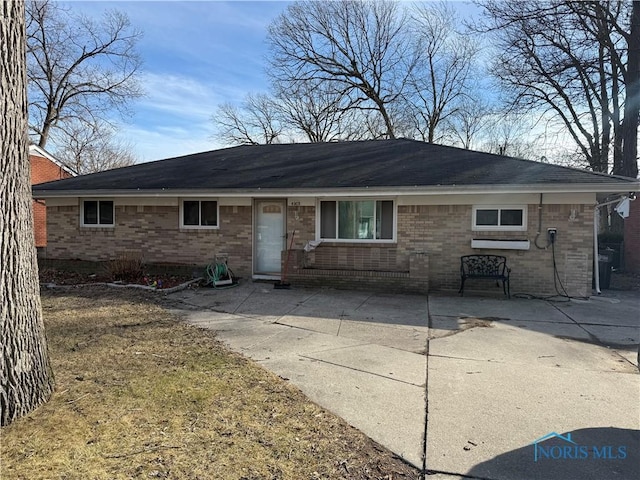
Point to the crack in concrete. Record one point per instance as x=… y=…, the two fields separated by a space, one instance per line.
x=245 y=299
x=360 y=370
x=363 y=302
x=298 y=305
x=461 y=475
x=278 y=322
x=351 y=338
x=340 y=323
x=595 y=339
x=426 y=394
x=426 y=471
x=488 y=360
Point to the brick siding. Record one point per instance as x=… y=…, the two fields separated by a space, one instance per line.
x=152 y=232
x=431 y=239
x=340 y=275
x=444 y=233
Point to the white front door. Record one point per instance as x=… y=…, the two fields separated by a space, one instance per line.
x=270 y=236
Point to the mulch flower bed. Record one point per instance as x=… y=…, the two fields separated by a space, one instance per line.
x=63 y=277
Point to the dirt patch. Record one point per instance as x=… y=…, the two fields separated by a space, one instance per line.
x=141 y=395
x=67 y=277
x=472 y=322
x=455 y=325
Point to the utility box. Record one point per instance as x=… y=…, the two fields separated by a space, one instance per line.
x=605 y=265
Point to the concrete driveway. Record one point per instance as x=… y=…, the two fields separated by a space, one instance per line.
x=456 y=386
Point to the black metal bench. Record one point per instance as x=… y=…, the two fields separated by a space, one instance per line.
x=485 y=266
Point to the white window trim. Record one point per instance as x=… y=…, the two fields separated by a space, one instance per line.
x=199 y=227
x=356 y=240
x=97 y=225
x=500 y=228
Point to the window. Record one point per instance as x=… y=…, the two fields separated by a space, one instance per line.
x=500 y=218
x=199 y=214
x=357 y=220
x=97 y=213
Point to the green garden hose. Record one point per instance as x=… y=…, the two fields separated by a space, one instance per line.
x=217 y=272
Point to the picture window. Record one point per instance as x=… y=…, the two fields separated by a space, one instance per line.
x=357 y=220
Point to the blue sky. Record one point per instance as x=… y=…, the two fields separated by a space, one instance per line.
x=196 y=55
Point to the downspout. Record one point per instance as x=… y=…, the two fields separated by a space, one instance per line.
x=596 y=253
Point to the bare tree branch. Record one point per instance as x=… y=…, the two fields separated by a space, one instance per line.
x=361 y=45
x=466 y=125
x=441 y=81
x=568 y=58
x=255 y=123
x=78 y=68
x=320 y=110
x=89 y=148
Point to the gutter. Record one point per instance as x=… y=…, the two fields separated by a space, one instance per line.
x=345 y=191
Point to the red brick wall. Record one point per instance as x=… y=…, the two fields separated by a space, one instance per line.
x=43 y=170
x=632 y=238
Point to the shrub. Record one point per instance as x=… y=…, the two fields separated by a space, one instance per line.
x=126 y=267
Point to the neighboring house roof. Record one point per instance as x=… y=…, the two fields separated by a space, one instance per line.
x=35 y=150
x=374 y=165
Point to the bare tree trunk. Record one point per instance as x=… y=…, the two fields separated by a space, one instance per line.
x=26 y=379
x=632 y=104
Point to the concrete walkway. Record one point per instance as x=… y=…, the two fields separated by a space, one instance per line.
x=456 y=386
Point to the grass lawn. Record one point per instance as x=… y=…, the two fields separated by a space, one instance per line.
x=141 y=395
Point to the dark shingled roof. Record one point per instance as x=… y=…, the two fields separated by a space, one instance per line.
x=374 y=163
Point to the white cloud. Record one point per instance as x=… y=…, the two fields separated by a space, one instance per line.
x=197 y=55
x=174 y=118
x=166 y=142
x=184 y=97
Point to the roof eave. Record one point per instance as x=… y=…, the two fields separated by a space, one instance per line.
x=614 y=187
x=38 y=151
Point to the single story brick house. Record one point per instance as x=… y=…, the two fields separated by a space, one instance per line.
x=393 y=214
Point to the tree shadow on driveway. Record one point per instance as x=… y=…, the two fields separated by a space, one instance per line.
x=585 y=454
